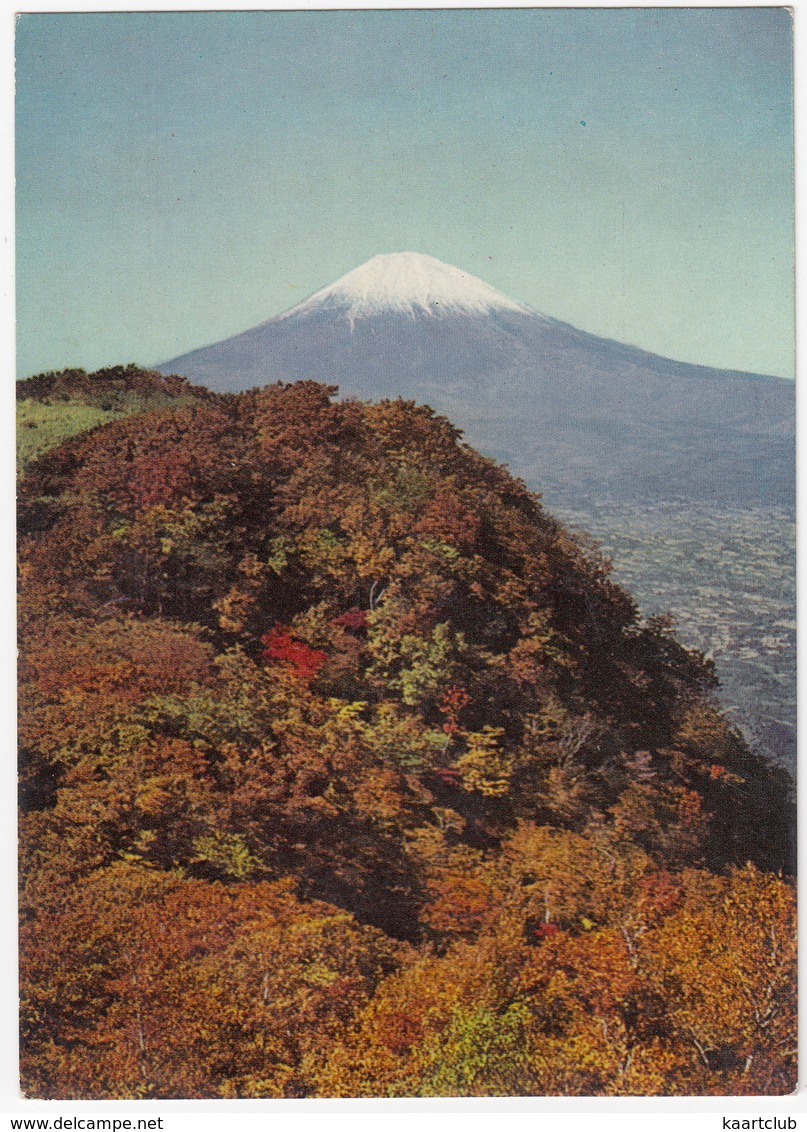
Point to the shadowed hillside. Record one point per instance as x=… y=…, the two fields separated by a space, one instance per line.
x=347 y=770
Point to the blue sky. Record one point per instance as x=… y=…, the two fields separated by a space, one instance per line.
x=183 y=176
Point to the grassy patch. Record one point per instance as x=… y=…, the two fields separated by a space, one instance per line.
x=40 y=427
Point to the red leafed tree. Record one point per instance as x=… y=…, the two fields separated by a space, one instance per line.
x=451 y=704
x=355 y=620
x=281 y=647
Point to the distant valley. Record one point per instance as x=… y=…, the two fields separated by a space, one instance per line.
x=727 y=578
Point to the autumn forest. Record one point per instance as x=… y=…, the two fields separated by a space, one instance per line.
x=347 y=771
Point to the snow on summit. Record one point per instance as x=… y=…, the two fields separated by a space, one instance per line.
x=408 y=283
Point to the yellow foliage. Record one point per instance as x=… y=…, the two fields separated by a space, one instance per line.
x=484 y=768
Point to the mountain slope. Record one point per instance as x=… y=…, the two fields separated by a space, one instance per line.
x=567 y=410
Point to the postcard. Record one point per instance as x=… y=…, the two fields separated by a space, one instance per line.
x=407 y=604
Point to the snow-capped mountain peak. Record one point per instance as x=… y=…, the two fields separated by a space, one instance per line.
x=408 y=283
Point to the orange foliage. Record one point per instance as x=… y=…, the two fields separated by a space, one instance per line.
x=347 y=771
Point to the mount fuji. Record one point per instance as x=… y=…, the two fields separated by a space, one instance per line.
x=576 y=415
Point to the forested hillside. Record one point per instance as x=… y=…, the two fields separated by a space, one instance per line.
x=347 y=771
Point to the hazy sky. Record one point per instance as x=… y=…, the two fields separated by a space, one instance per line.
x=183 y=176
